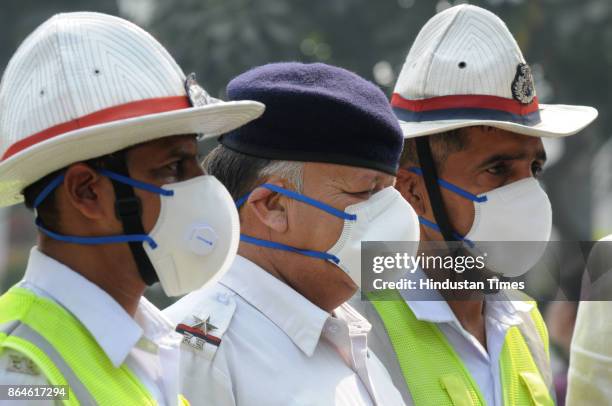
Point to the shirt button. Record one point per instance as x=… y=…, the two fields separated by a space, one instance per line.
x=222 y=298
x=332 y=329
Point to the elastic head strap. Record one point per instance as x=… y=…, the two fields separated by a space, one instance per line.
x=301 y=198
x=430 y=176
x=278 y=246
x=453 y=188
x=128 y=209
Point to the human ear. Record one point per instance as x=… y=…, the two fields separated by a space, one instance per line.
x=269 y=207
x=88 y=192
x=412 y=187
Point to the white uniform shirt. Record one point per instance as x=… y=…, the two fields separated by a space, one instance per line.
x=277 y=348
x=481 y=362
x=146 y=343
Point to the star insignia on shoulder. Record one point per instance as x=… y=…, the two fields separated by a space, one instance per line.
x=204 y=325
x=198 y=334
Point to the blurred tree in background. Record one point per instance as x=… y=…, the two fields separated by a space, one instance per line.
x=222 y=38
x=20 y=18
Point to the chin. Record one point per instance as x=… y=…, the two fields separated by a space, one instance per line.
x=343 y=287
x=328 y=288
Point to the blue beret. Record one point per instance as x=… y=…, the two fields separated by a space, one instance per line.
x=318 y=113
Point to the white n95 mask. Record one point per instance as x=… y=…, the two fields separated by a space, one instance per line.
x=385 y=216
x=195 y=237
x=512 y=225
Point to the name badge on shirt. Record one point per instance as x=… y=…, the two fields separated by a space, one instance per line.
x=198 y=334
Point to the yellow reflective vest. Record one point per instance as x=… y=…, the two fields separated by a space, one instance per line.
x=436 y=375
x=66 y=353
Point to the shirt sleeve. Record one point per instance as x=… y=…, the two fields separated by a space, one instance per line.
x=16 y=369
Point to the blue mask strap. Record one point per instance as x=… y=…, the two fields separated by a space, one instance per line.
x=106 y=239
x=283 y=247
x=113 y=239
x=242 y=200
x=136 y=183
x=435 y=227
x=453 y=188
x=304 y=199
x=51 y=186
x=301 y=198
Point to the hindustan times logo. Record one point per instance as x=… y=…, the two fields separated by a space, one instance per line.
x=431 y=284
x=410 y=263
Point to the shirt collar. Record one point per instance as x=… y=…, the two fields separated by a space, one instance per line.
x=301 y=320
x=504 y=309
x=499 y=306
x=110 y=325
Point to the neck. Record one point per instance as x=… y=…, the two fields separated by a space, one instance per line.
x=103 y=265
x=326 y=289
x=469 y=312
x=256 y=255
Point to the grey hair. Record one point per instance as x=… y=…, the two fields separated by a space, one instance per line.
x=241 y=173
x=291 y=171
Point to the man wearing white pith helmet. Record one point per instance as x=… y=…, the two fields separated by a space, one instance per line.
x=98 y=132
x=467 y=105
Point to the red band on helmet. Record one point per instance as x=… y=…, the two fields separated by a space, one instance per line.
x=465 y=102
x=121 y=112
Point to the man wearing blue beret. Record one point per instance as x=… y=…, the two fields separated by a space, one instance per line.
x=312 y=178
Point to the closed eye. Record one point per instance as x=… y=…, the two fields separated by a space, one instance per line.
x=364 y=194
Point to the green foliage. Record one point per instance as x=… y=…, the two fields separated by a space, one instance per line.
x=220 y=39
x=20 y=18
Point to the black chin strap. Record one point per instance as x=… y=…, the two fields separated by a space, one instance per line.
x=430 y=175
x=128 y=210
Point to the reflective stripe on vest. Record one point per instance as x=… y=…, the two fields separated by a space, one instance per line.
x=65 y=352
x=23 y=339
x=534 y=332
x=436 y=375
